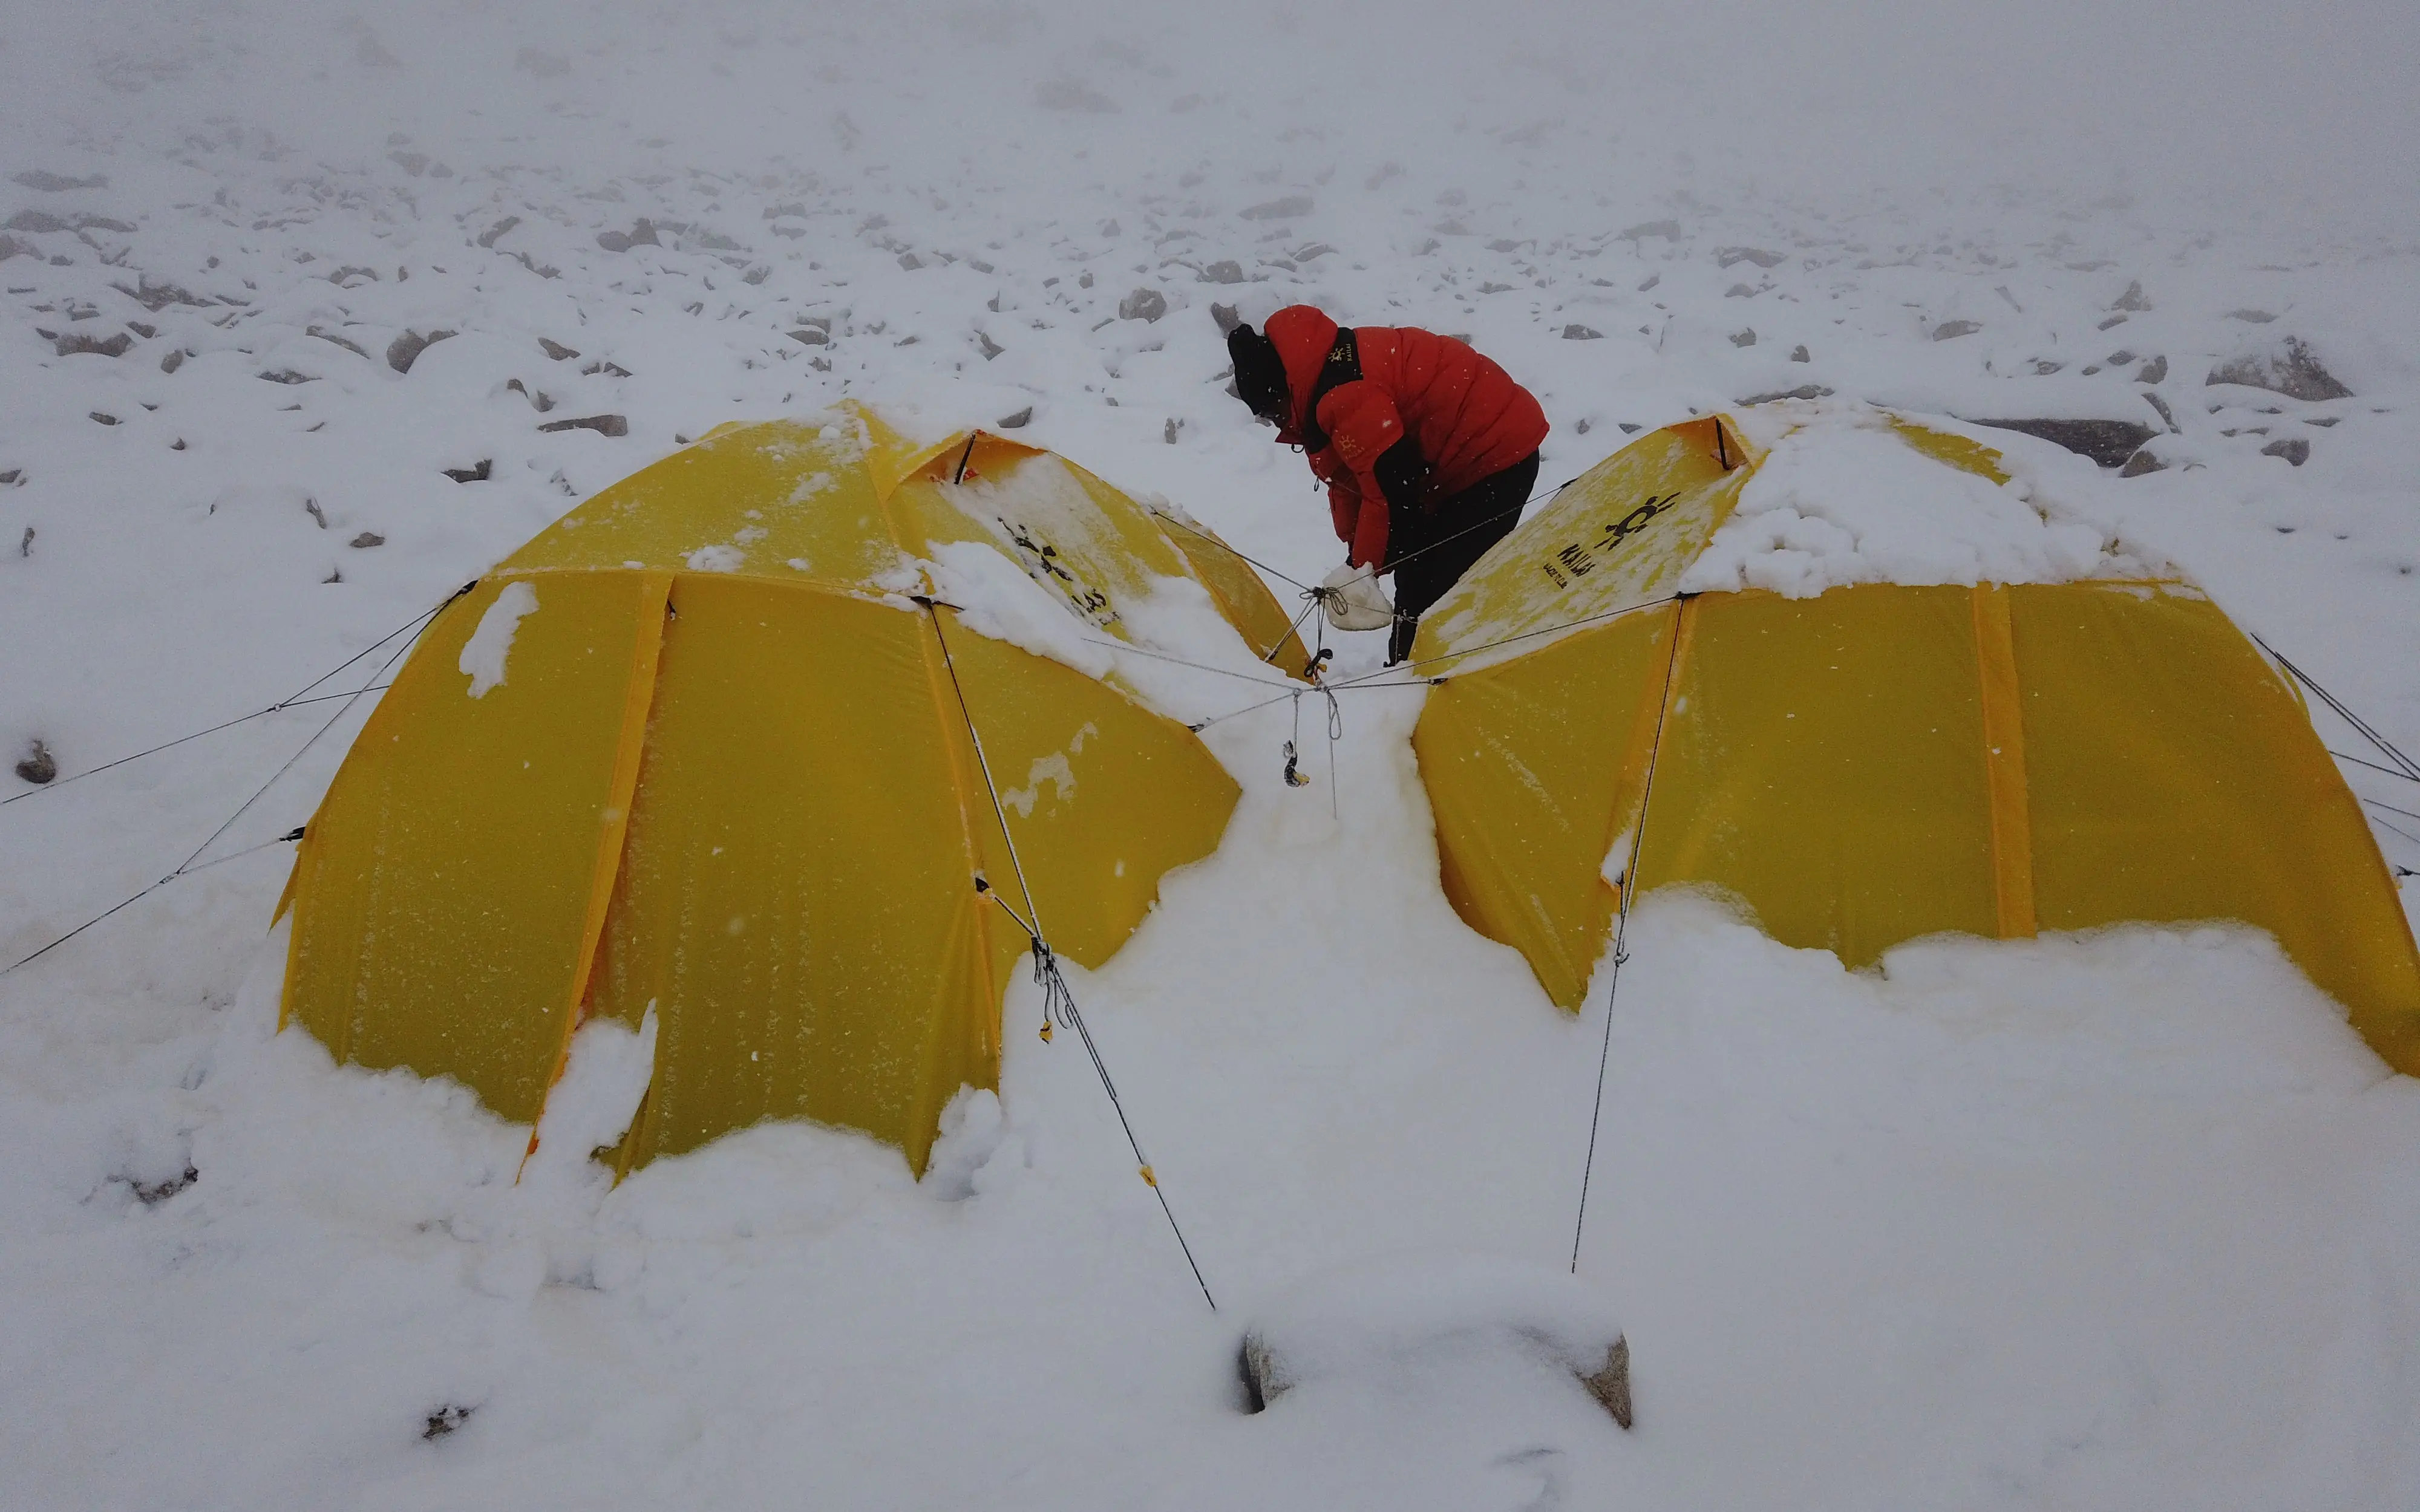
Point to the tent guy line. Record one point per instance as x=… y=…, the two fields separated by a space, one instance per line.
x=293 y=700
x=1057 y=997
x=2361 y=726
x=186 y=867
x=1628 y=891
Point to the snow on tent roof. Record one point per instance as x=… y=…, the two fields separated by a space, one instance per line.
x=1843 y=670
x=1795 y=499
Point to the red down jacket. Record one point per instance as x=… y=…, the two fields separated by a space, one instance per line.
x=1466 y=416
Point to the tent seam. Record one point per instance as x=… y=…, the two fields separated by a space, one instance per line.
x=629 y=745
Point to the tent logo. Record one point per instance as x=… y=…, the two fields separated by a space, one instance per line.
x=1042 y=565
x=1577 y=559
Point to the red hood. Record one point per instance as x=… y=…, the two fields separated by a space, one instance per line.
x=1302 y=335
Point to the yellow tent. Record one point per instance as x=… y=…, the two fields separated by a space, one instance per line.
x=1875 y=763
x=698 y=749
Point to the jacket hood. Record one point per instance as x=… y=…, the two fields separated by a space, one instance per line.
x=1302 y=334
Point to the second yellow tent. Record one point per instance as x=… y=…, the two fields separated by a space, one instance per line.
x=1872 y=763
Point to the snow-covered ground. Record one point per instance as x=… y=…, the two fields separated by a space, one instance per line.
x=2123 y=1220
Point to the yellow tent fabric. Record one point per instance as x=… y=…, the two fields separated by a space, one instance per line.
x=697 y=751
x=1875 y=763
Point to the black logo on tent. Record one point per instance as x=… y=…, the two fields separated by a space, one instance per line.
x=1042 y=565
x=1578 y=559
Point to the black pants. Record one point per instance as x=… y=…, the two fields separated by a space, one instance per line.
x=1427 y=550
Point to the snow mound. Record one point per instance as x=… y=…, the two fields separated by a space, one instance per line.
x=1842 y=498
x=1426 y=1314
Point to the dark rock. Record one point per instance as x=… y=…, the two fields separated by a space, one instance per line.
x=158 y=297
x=2257 y=318
x=2166 y=418
x=448 y=1417
x=1576 y=331
x=1668 y=230
x=1168 y=432
x=989 y=348
x=415 y=163
x=555 y=350
x=11 y=247
x=1629 y=430
x=488 y=236
x=146 y=332
x=1800 y=354
x=1804 y=391
x=1744 y=338
x=2133 y=299
x=1952 y=329
x=103 y=223
x=173 y=360
x=333 y=339
x=1739 y=291
x=2121 y=358
x=75 y=343
x=287 y=376
x=2142 y=461
x=2294 y=449
x=1726 y=256
x=365 y=540
x=1145 y=304
x=810 y=336
x=39 y=766
x=538 y=399
x=1610 y=1385
x=25 y=543
x=610 y=369
x=2112 y=323
x=99 y=418
x=51 y=183
x=910 y=262
x=1016 y=422
x=2154 y=371
x=1226 y=316
x=1583 y=426
x=36 y=222
x=641 y=235
x=2044 y=367
x=1225 y=270
x=318 y=516
x=481 y=473
x=1278 y=209
x=602 y=424
x=2292 y=369
x=405 y=349
x=2108 y=443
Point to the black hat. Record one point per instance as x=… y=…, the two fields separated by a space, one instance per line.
x=1260 y=375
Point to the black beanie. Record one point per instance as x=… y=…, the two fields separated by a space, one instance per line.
x=1260 y=375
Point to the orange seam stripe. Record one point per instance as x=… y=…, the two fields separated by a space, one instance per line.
x=637 y=699
x=2004 y=762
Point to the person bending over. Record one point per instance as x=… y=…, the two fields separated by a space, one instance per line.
x=1429 y=452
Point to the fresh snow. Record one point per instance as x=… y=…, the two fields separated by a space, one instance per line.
x=2125 y=1219
x=492 y=641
